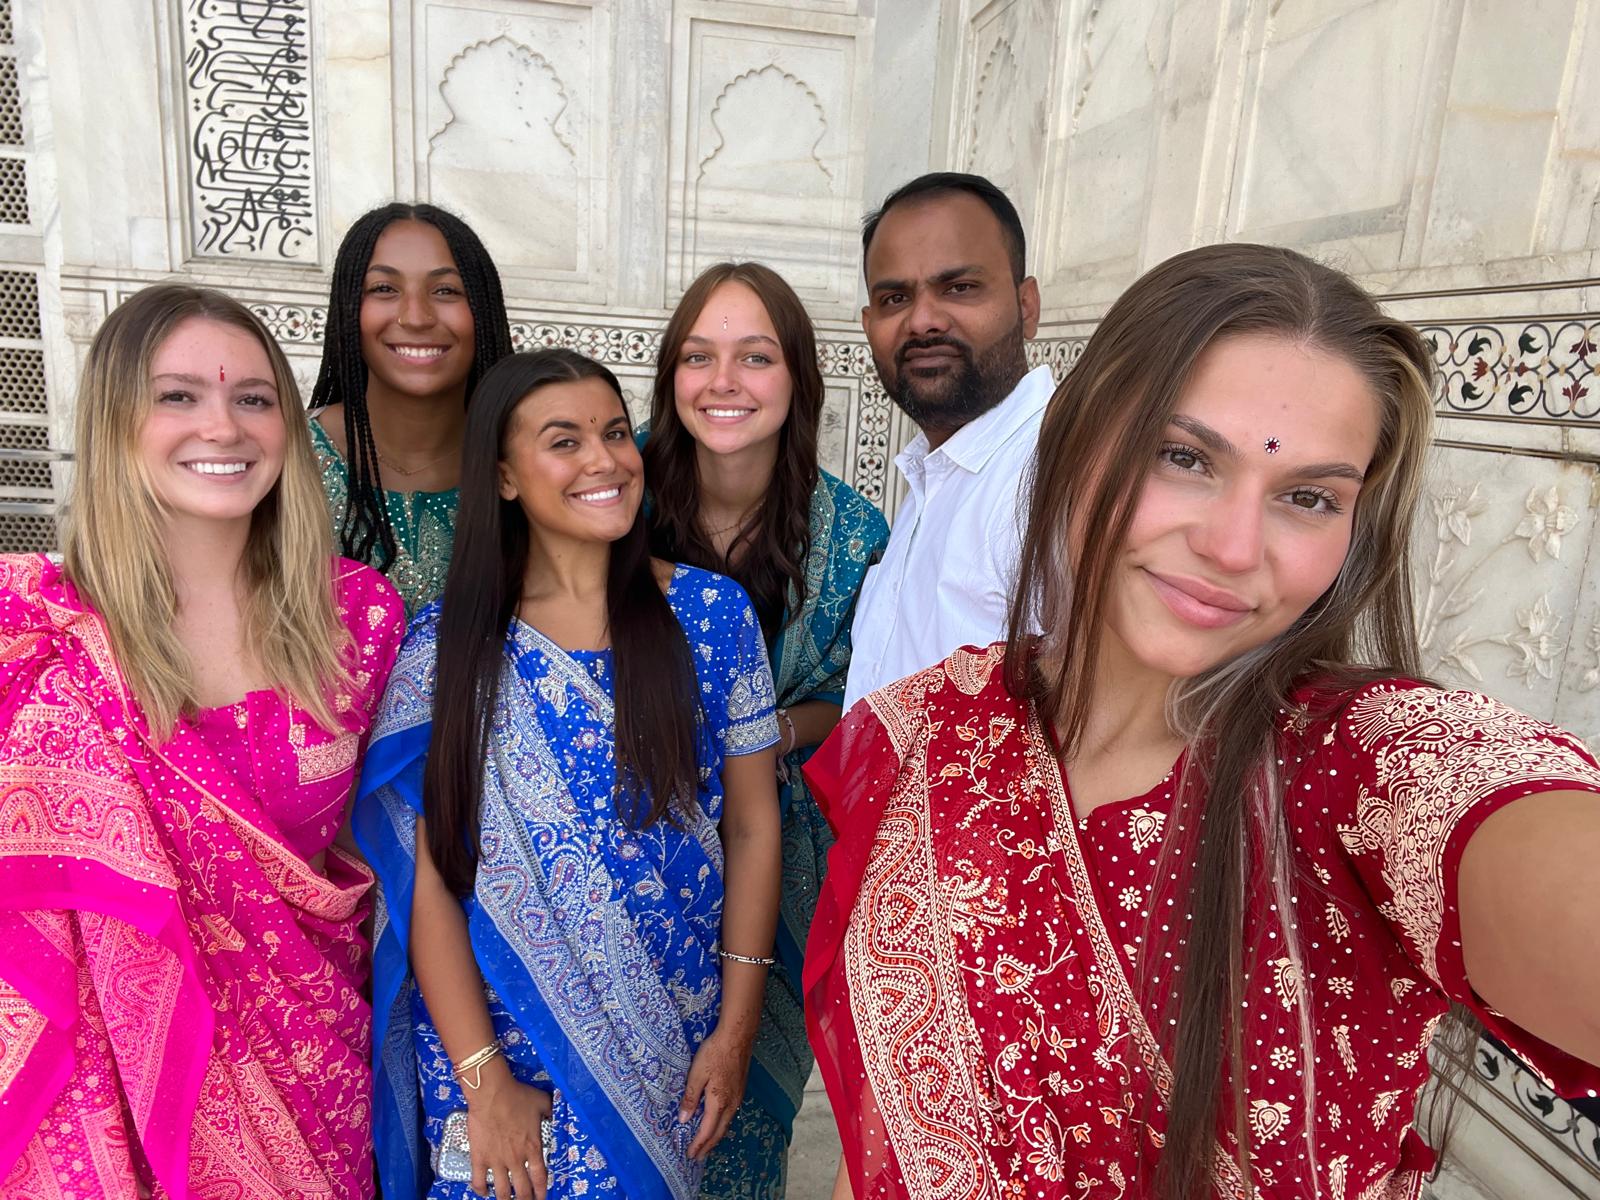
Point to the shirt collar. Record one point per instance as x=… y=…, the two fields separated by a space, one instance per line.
x=971 y=446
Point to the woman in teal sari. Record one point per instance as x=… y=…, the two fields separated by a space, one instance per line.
x=731 y=463
x=415 y=319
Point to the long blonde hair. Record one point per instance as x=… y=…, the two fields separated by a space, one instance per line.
x=1100 y=434
x=114 y=550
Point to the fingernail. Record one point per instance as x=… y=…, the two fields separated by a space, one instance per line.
x=683 y=1116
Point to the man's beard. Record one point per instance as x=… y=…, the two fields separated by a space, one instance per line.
x=977 y=384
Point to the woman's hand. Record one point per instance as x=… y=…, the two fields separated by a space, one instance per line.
x=505 y=1134
x=716 y=1075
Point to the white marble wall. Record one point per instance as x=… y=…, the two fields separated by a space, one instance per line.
x=1447 y=152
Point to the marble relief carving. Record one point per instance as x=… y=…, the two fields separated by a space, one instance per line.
x=247 y=99
x=1500 y=551
x=763 y=141
x=512 y=113
x=506 y=153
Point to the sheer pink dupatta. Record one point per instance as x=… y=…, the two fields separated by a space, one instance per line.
x=180 y=993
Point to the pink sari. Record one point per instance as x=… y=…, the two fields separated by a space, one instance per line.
x=181 y=999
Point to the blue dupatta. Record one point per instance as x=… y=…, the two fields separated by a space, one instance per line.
x=598 y=941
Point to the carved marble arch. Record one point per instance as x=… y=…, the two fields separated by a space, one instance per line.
x=506 y=157
x=993 y=148
x=779 y=146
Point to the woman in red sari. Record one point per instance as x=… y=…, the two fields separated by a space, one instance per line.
x=1170 y=900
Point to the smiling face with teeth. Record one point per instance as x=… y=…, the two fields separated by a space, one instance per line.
x=214 y=441
x=416 y=323
x=570 y=462
x=731 y=386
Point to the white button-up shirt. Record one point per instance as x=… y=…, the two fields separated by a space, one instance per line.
x=947 y=575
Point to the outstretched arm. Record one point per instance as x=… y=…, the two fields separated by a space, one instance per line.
x=1528 y=876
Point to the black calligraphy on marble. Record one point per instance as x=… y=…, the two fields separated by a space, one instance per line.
x=247 y=76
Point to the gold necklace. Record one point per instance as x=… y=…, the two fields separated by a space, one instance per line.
x=417 y=470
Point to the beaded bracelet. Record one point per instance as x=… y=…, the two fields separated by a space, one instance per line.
x=745 y=958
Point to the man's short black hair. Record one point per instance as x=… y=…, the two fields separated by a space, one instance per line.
x=944 y=183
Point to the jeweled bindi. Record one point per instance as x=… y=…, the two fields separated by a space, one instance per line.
x=1272 y=445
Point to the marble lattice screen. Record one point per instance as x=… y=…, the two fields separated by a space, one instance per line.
x=1446 y=152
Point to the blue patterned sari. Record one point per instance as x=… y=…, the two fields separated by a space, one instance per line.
x=809 y=663
x=597 y=942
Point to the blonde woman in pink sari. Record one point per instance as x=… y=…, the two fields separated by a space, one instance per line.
x=183 y=705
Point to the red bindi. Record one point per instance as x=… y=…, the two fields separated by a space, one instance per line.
x=222 y=376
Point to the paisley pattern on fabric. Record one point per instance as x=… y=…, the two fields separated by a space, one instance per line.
x=809 y=662
x=597 y=942
x=180 y=988
x=975 y=972
x=424 y=526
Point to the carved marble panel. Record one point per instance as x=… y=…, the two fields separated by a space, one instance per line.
x=1004 y=97
x=767 y=141
x=1097 y=191
x=1506 y=133
x=1334 y=120
x=1501 y=553
x=513 y=112
x=250 y=155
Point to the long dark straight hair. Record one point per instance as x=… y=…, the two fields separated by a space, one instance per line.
x=767 y=557
x=657 y=699
x=366 y=534
x=1101 y=432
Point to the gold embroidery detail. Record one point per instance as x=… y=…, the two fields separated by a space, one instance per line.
x=1436 y=755
x=1338 y=924
x=316 y=763
x=1268 y=1118
x=1144 y=827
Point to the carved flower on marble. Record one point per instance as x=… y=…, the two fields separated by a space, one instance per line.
x=1591 y=678
x=1548 y=520
x=1538 y=642
x=1455 y=507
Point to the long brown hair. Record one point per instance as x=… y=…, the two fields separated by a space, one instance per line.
x=657 y=701
x=1101 y=432
x=114 y=551
x=767 y=556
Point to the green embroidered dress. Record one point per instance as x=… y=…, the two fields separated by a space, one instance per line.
x=424 y=526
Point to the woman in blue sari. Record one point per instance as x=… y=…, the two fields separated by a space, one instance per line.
x=732 y=467
x=571 y=772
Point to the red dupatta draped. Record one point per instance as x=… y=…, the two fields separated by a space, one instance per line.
x=180 y=992
x=972 y=976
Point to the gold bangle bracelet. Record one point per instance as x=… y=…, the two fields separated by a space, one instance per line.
x=474 y=1063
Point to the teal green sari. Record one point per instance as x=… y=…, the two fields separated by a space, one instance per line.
x=808 y=663
x=424 y=526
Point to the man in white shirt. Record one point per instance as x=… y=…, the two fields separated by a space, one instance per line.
x=949 y=311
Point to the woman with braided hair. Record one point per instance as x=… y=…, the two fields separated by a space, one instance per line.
x=414 y=320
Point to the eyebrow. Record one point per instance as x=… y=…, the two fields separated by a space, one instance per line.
x=1217 y=444
x=948 y=275
x=749 y=337
x=562 y=423
x=197 y=381
x=383 y=270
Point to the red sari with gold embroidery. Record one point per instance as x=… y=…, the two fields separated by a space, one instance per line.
x=973 y=976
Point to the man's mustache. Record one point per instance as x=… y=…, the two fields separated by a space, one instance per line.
x=911 y=344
